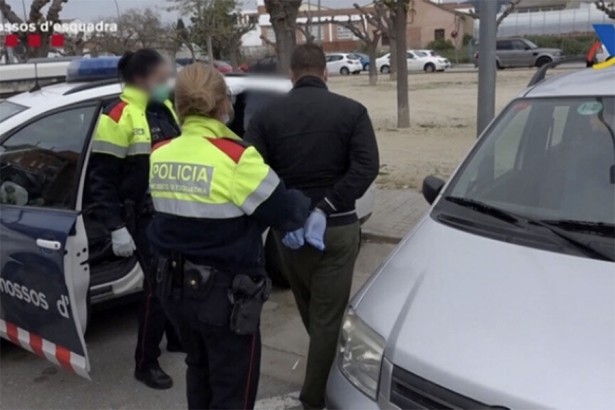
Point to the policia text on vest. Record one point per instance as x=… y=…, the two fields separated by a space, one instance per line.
x=181 y=177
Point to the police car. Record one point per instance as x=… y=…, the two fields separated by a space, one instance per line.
x=57 y=260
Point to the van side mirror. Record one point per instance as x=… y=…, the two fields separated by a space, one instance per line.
x=432 y=186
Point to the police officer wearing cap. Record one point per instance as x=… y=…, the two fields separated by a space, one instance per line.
x=214 y=196
x=117 y=182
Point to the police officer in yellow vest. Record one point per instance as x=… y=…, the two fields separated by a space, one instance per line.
x=118 y=182
x=214 y=196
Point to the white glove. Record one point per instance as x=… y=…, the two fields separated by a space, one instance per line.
x=123 y=245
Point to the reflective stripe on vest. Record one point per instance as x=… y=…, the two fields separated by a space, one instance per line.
x=106 y=147
x=261 y=193
x=192 y=209
x=139 y=148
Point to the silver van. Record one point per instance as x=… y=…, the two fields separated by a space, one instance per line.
x=503 y=296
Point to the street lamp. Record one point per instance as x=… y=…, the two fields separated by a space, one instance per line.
x=117 y=9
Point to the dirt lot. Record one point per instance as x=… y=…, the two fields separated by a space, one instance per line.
x=443 y=120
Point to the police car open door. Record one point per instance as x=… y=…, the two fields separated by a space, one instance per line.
x=44 y=274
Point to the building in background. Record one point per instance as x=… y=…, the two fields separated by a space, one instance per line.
x=427 y=22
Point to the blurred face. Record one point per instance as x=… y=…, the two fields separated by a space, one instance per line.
x=226 y=112
x=156 y=84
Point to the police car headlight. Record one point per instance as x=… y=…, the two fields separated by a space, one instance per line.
x=360 y=354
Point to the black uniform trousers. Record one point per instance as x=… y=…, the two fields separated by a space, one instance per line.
x=223 y=367
x=153 y=323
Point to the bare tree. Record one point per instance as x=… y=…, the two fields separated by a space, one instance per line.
x=74 y=44
x=184 y=37
x=283 y=17
x=306 y=28
x=508 y=7
x=403 y=104
x=203 y=18
x=608 y=7
x=36 y=17
x=137 y=28
x=369 y=35
x=233 y=26
x=382 y=16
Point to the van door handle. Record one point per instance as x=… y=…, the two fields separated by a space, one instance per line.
x=47 y=244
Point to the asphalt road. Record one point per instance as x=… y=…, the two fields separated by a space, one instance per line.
x=28 y=382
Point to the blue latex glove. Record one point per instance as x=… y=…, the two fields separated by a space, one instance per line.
x=315 y=227
x=295 y=239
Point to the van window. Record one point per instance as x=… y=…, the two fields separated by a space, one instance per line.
x=548 y=159
x=40 y=162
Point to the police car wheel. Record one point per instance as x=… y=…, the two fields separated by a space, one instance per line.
x=273 y=264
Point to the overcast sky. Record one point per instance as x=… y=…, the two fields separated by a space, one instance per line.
x=90 y=10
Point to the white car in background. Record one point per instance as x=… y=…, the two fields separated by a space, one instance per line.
x=416 y=62
x=433 y=54
x=343 y=63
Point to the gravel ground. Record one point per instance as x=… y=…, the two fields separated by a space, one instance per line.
x=443 y=120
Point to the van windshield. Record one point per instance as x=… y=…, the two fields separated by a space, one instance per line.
x=550 y=159
x=8 y=109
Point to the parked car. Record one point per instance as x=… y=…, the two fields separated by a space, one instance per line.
x=502 y=296
x=434 y=54
x=364 y=60
x=521 y=52
x=416 y=62
x=267 y=65
x=56 y=259
x=343 y=63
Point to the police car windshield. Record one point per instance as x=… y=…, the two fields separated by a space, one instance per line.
x=8 y=109
x=549 y=159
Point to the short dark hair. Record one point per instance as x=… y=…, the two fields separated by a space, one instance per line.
x=308 y=59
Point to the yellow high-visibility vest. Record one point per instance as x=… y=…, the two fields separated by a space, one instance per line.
x=207 y=172
x=123 y=130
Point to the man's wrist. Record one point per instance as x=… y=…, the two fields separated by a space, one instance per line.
x=326 y=206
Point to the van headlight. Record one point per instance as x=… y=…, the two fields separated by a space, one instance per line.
x=360 y=354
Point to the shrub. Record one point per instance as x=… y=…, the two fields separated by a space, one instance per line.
x=441 y=45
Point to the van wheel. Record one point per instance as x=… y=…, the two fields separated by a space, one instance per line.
x=429 y=68
x=385 y=69
x=542 y=61
x=273 y=263
x=344 y=71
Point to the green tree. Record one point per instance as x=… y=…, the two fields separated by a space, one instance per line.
x=216 y=26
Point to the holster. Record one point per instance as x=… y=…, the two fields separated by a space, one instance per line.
x=248 y=297
x=186 y=278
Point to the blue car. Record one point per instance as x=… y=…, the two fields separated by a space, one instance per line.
x=364 y=60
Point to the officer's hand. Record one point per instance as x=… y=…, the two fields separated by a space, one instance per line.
x=295 y=239
x=315 y=228
x=122 y=242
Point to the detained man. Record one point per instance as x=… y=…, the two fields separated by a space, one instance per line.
x=322 y=144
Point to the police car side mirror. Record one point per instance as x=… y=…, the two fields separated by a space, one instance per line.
x=432 y=186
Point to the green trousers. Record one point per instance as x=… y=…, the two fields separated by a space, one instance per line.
x=321 y=283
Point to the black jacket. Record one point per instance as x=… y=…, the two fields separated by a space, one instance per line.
x=113 y=181
x=320 y=143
